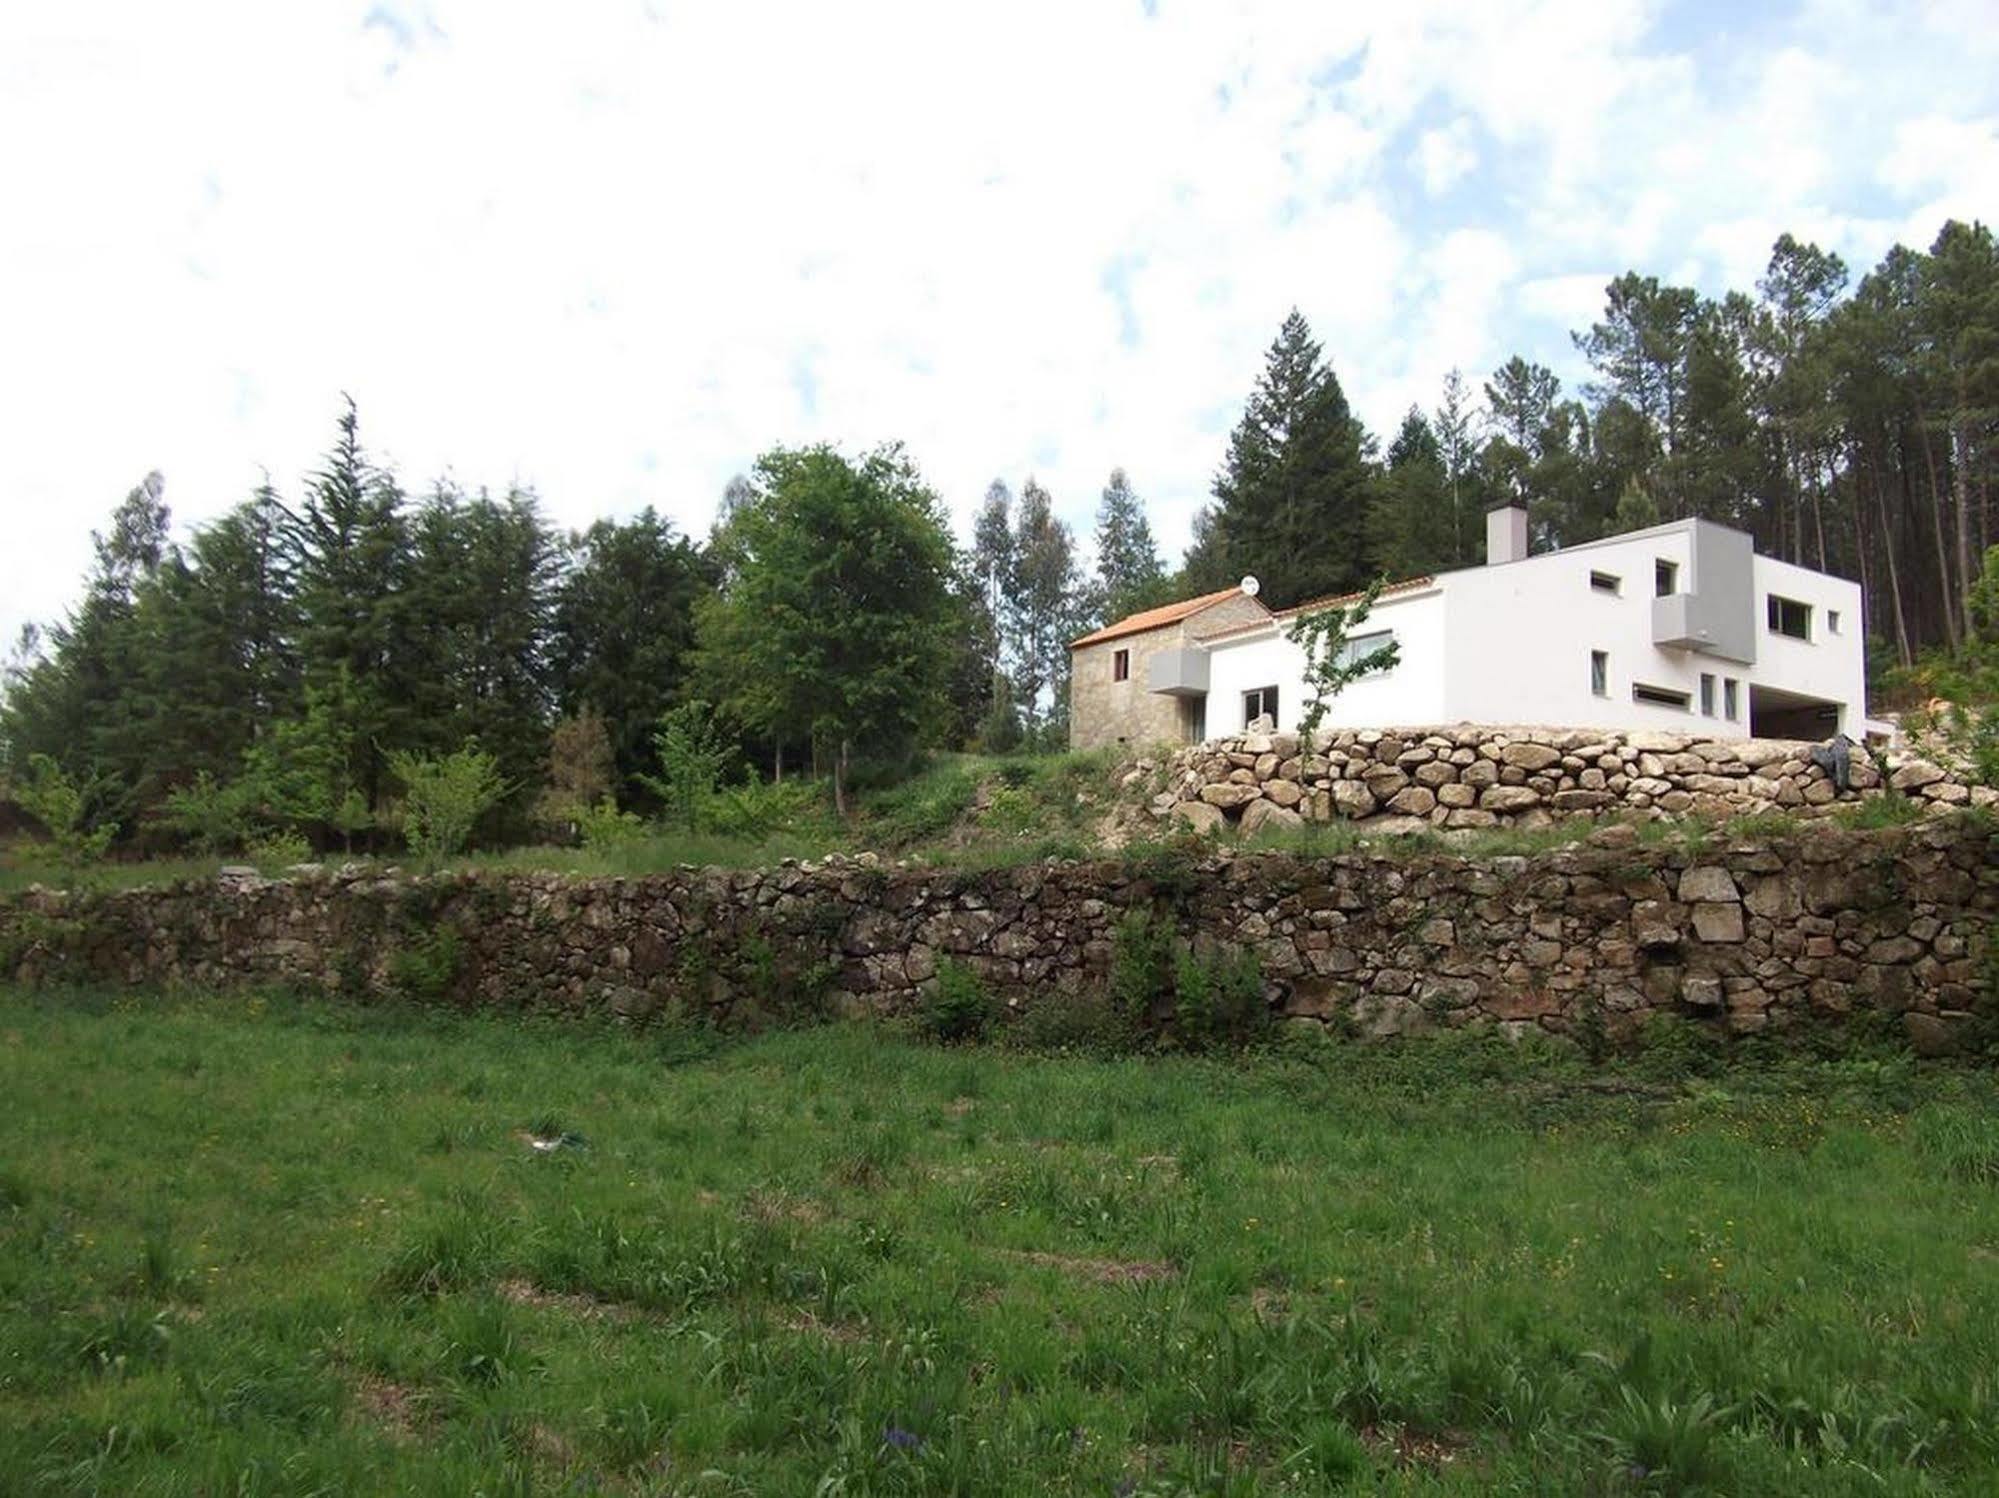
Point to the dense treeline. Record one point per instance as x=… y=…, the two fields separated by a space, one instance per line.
x=1848 y=428
x=292 y=667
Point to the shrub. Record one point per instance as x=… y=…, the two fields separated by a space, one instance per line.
x=210 y=816
x=603 y=827
x=692 y=756
x=758 y=808
x=1010 y=810
x=1218 y=997
x=443 y=798
x=49 y=796
x=958 y=1008
x=1141 y=964
x=1208 y=996
x=426 y=969
x=279 y=849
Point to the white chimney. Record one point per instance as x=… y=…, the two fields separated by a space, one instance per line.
x=1505 y=535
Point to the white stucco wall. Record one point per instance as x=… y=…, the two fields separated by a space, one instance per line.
x=1521 y=636
x=1512 y=643
x=1830 y=664
x=1412 y=693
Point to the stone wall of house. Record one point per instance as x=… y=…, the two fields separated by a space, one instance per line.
x=1104 y=712
x=1406 y=780
x=1748 y=934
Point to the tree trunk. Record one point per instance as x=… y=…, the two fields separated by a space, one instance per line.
x=1936 y=508
x=777 y=767
x=840 y=782
x=1960 y=442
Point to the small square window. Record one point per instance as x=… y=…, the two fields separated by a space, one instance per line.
x=1832 y=621
x=1665 y=578
x=1121 y=666
x=1599 y=672
x=1606 y=582
x=1260 y=703
x=1707 y=695
x=1730 y=708
x=1789 y=617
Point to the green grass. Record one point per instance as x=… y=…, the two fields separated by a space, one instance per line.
x=259 y=1246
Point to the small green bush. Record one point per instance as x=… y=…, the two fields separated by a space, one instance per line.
x=758 y=808
x=426 y=969
x=1141 y=964
x=1010 y=810
x=604 y=828
x=1218 y=998
x=279 y=850
x=958 y=1008
x=445 y=796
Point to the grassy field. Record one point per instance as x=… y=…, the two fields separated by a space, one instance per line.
x=256 y=1246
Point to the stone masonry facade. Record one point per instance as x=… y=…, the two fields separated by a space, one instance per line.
x=1104 y=712
x=1408 y=780
x=1750 y=934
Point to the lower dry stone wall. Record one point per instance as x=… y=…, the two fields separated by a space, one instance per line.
x=1748 y=934
x=1406 y=780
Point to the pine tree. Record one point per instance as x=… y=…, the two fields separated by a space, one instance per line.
x=1130 y=575
x=1412 y=525
x=349 y=551
x=1293 y=492
x=623 y=630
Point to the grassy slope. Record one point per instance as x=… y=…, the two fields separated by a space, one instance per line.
x=250 y=1246
x=1034 y=807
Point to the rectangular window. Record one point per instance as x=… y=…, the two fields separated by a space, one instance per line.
x=1599 y=672
x=1606 y=582
x=1665 y=578
x=1832 y=621
x=1730 y=707
x=1707 y=695
x=1789 y=617
x=1261 y=703
x=1360 y=647
x=1659 y=696
x=1121 y=666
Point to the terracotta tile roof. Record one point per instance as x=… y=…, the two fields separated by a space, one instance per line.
x=1171 y=613
x=1389 y=590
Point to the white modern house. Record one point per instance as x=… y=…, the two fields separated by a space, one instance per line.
x=1679 y=627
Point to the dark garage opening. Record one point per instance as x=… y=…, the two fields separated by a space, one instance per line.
x=1777 y=714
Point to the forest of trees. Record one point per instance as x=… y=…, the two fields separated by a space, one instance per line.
x=276 y=668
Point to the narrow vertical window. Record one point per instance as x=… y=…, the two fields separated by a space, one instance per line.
x=1729 y=709
x=1707 y=695
x=1121 y=666
x=1666 y=578
x=1599 y=672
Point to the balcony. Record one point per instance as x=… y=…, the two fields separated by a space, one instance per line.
x=1676 y=623
x=1178 y=673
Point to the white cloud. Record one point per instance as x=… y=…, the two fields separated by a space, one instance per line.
x=616 y=256
x=1445 y=157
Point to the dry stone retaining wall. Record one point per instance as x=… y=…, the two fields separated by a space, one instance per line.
x=1402 y=780
x=1750 y=934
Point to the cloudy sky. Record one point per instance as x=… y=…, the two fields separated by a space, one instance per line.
x=614 y=248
